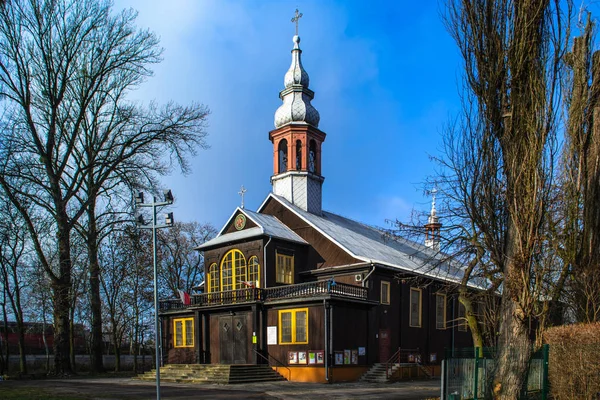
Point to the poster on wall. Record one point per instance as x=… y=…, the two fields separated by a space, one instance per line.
x=432 y=357
x=362 y=351
x=320 y=357
x=292 y=357
x=312 y=357
x=339 y=358
x=301 y=357
x=354 y=357
x=346 y=356
x=271 y=335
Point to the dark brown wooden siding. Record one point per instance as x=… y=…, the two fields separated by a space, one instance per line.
x=249 y=249
x=316 y=324
x=324 y=253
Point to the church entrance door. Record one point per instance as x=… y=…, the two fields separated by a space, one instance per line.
x=384 y=345
x=233 y=339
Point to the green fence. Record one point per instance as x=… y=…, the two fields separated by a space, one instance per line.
x=468 y=373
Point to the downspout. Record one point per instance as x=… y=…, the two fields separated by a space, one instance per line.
x=368 y=275
x=326 y=341
x=265 y=261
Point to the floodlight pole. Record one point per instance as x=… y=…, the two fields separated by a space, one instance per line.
x=154 y=227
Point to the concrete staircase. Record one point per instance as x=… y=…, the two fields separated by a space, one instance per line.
x=377 y=373
x=409 y=371
x=213 y=373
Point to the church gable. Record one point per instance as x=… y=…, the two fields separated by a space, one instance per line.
x=325 y=253
x=238 y=222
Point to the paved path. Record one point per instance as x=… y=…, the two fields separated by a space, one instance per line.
x=128 y=389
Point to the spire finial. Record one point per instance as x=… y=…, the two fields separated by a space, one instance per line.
x=296 y=18
x=433 y=216
x=241 y=193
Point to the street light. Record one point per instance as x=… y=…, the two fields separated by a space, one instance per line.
x=139 y=201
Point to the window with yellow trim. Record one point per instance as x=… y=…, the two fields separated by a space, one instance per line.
x=440 y=311
x=385 y=292
x=233 y=270
x=213 y=278
x=293 y=326
x=415 y=308
x=254 y=271
x=285 y=268
x=183 y=329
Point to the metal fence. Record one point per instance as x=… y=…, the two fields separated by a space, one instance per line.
x=468 y=374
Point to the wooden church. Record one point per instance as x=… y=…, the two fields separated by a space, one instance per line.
x=314 y=294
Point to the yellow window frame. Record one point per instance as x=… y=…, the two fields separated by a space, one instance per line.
x=253 y=270
x=280 y=265
x=384 y=296
x=293 y=313
x=437 y=296
x=213 y=280
x=410 y=314
x=235 y=268
x=187 y=340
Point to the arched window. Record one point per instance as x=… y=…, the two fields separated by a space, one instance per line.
x=254 y=271
x=233 y=270
x=298 y=155
x=312 y=156
x=213 y=278
x=282 y=167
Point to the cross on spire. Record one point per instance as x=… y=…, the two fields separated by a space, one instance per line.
x=296 y=18
x=241 y=193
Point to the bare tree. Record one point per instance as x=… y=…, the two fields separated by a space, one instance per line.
x=512 y=52
x=66 y=67
x=578 y=209
x=182 y=267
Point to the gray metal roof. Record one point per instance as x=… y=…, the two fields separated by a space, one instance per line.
x=371 y=244
x=267 y=225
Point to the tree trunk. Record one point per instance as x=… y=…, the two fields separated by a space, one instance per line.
x=515 y=347
x=61 y=289
x=96 y=361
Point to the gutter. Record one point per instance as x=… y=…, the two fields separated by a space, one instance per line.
x=265 y=260
x=364 y=281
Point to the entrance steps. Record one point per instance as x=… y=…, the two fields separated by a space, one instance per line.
x=213 y=373
x=377 y=373
x=396 y=372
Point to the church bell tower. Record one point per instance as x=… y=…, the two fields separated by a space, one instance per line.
x=296 y=139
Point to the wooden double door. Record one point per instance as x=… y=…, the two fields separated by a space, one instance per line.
x=233 y=338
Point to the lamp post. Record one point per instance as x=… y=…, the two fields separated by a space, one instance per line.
x=139 y=201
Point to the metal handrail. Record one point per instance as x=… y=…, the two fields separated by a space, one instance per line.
x=396 y=358
x=269 y=363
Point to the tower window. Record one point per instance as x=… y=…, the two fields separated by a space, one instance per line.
x=283 y=156
x=298 y=155
x=312 y=156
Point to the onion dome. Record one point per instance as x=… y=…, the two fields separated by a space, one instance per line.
x=296 y=96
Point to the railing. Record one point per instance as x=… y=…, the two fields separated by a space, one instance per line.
x=276 y=360
x=315 y=288
x=401 y=356
x=247 y=295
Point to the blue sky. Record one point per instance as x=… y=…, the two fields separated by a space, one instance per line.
x=385 y=76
